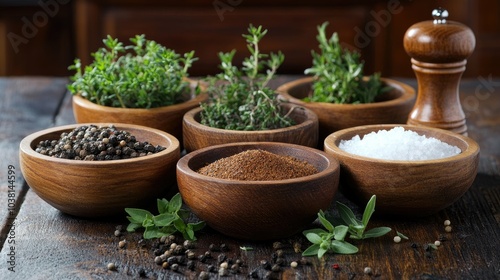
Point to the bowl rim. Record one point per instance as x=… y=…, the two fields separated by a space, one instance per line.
x=25 y=144
x=312 y=118
x=408 y=93
x=333 y=164
x=80 y=101
x=332 y=139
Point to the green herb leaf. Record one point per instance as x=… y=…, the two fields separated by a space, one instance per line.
x=340 y=232
x=369 y=209
x=376 y=232
x=324 y=221
x=246 y=248
x=402 y=235
x=164 y=219
x=175 y=203
x=347 y=215
x=314 y=238
x=133 y=227
x=162 y=205
x=137 y=215
x=311 y=250
x=343 y=247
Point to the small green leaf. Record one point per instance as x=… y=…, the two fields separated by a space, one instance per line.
x=148 y=221
x=311 y=250
x=325 y=222
x=402 y=235
x=321 y=252
x=347 y=215
x=180 y=225
x=369 y=209
x=133 y=227
x=175 y=203
x=313 y=238
x=162 y=205
x=151 y=232
x=198 y=225
x=318 y=231
x=340 y=232
x=164 y=219
x=137 y=215
x=245 y=248
x=343 y=247
x=376 y=232
x=189 y=233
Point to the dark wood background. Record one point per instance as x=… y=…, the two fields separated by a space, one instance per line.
x=65 y=29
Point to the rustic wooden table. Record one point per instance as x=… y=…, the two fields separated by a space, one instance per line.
x=39 y=242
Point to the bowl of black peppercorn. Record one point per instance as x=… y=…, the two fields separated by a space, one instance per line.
x=97 y=170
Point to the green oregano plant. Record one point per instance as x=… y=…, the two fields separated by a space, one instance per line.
x=144 y=74
x=338 y=74
x=239 y=98
x=331 y=238
x=171 y=219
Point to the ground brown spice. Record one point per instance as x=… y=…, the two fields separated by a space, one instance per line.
x=258 y=165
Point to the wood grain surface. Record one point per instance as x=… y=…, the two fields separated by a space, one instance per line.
x=52 y=245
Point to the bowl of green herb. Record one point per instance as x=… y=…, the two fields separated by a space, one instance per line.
x=143 y=83
x=98 y=169
x=257 y=190
x=241 y=107
x=341 y=95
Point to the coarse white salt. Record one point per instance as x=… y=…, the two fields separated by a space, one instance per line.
x=398 y=144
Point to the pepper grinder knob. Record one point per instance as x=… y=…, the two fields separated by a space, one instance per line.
x=439 y=50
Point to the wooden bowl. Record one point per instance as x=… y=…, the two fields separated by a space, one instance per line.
x=100 y=188
x=167 y=118
x=257 y=210
x=406 y=188
x=305 y=132
x=391 y=107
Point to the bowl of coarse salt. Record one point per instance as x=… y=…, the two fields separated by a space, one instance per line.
x=413 y=170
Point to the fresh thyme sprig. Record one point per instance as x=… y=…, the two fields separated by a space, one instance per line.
x=171 y=219
x=338 y=74
x=333 y=238
x=144 y=74
x=239 y=98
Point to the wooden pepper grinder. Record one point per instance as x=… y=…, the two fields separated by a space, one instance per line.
x=438 y=51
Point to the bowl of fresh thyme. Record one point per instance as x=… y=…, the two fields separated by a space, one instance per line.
x=97 y=170
x=258 y=190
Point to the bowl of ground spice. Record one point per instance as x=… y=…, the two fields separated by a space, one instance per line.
x=413 y=170
x=96 y=170
x=258 y=190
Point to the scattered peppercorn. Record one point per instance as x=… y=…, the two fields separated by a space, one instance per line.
x=447 y=222
x=122 y=244
x=397 y=239
x=174 y=267
x=437 y=243
x=336 y=266
x=448 y=229
x=294 y=264
x=95 y=143
x=204 y=275
x=258 y=165
x=111 y=266
x=367 y=270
